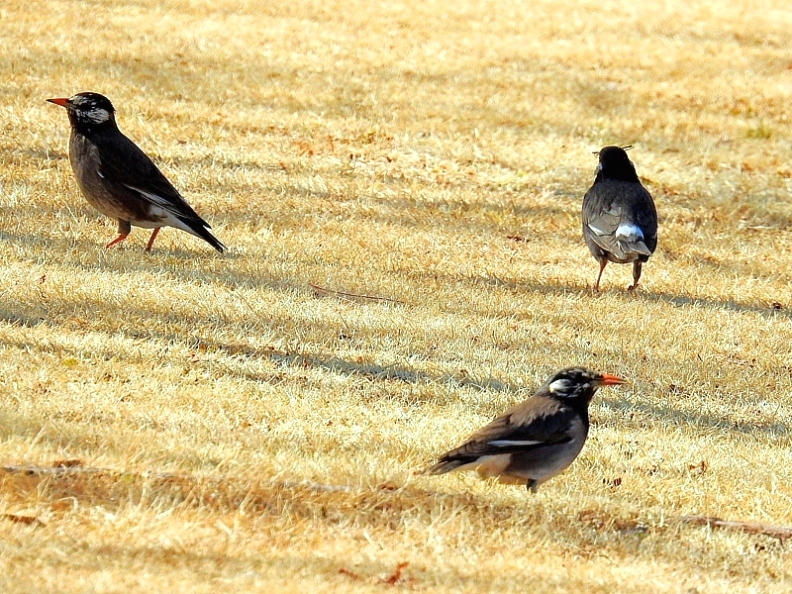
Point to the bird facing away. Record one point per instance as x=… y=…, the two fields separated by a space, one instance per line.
x=536 y=439
x=119 y=179
x=619 y=216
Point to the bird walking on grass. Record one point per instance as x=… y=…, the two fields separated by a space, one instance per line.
x=619 y=215
x=119 y=179
x=536 y=439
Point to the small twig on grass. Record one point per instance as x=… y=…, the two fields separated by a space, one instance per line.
x=782 y=533
x=20 y=519
x=319 y=289
x=316 y=486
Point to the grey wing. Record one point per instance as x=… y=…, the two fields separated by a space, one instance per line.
x=513 y=432
x=135 y=172
x=645 y=216
x=619 y=218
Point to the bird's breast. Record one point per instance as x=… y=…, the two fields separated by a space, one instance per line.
x=110 y=199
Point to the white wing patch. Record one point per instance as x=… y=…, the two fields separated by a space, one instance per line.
x=630 y=232
x=99 y=173
x=163 y=218
x=507 y=443
x=163 y=211
x=596 y=231
x=154 y=198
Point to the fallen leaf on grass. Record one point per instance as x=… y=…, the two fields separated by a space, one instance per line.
x=396 y=575
x=22 y=519
x=702 y=467
x=352 y=574
x=388 y=487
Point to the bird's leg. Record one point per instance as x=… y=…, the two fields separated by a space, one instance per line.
x=532 y=485
x=152 y=238
x=124 y=228
x=636 y=275
x=603 y=264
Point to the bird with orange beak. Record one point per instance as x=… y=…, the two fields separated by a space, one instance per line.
x=119 y=179
x=535 y=440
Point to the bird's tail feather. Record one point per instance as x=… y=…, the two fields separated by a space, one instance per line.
x=203 y=232
x=444 y=466
x=630 y=240
x=635 y=247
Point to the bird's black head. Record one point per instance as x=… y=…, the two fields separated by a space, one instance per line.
x=614 y=164
x=577 y=383
x=88 y=110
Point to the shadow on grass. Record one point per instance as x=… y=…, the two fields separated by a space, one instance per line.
x=675 y=300
x=17 y=319
x=385 y=373
x=374 y=371
x=667 y=415
x=135 y=259
x=382 y=507
x=684 y=301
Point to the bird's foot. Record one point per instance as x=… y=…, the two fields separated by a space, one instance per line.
x=153 y=237
x=116 y=241
x=632 y=288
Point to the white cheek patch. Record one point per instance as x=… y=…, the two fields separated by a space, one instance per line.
x=629 y=232
x=506 y=443
x=97 y=115
x=558 y=385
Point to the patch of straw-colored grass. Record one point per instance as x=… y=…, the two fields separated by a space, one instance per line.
x=183 y=421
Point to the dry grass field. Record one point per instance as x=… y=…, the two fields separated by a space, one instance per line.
x=197 y=422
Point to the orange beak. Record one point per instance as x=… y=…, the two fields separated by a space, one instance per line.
x=611 y=380
x=63 y=102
